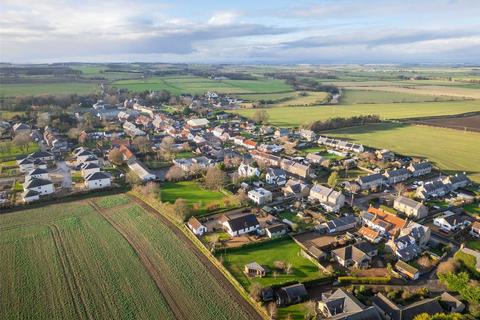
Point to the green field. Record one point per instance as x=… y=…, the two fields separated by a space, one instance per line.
x=371 y=96
x=199 y=85
x=70 y=261
x=291 y=117
x=13 y=150
x=266 y=254
x=193 y=193
x=58 y=263
x=451 y=150
x=33 y=89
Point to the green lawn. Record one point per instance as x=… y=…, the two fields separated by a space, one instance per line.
x=61 y=88
x=199 y=85
x=302 y=225
x=474 y=245
x=193 y=193
x=472 y=209
x=350 y=96
x=266 y=254
x=451 y=150
x=289 y=117
x=14 y=151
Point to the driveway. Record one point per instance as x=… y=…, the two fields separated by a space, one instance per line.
x=64 y=172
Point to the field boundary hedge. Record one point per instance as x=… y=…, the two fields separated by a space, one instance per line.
x=366 y=280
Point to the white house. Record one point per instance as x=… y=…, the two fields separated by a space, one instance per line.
x=449 y=221
x=85 y=156
x=26 y=164
x=98 y=180
x=141 y=171
x=260 y=196
x=246 y=170
x=37 y=174
x=238 y=224
x=42 y=186
x=198 y=123
x=89 y=168
x=195 y=225
x=30 y=196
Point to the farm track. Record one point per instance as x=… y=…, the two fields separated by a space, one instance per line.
x=219 y=277
x=73 y=284
x=152 y=270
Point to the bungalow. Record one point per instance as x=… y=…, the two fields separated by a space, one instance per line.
x=276 y=230
x=407 y=270
x=276 y=176
x=253 y=269
x=296 y=188
x=388 y=224
x=330 y=199
x=42 y=186
x=350 y=256
x=390 y=311
x=370 y=234
x=411 y=208
x=292 y=294
x=341 y=305
x=195 y=225
x=260 y=196
x=420 y=169
x=385 y=155
x=340 y=224
x=98 y=180
x=372 y=181
x=238 y=224
x=449 y=221
x=270 y=148
x=21 y=128
x=396 y=175
x=246 y=170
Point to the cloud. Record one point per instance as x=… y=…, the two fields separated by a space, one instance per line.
x=222 y=18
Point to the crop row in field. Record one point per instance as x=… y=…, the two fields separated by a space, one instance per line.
x=450 y=149
x=60 y=88
x=291 y=117
x=199 y=85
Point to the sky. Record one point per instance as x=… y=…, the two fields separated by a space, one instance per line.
x=261 y=31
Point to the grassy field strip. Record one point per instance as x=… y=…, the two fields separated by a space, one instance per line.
x=425 y=90
x=364 y=96
x=60 y=88
x=450 y=149
x=295 y=116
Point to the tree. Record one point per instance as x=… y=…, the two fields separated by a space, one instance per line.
x=279 y=265
x=142 y=144
x=43 y=119
x=115 y=156
x=445 y=267
x=399 y=188
x=272 y=310
x=213 y=239
x=22 y=140
x=333 y=179
x=132 y=178
x=175 y=173
x=73 y=133
x=255 y=290
x=260 y=116
x=215 y=178
x=181 y=209
x=310 y=310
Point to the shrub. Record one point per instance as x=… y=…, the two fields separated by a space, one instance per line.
x=371 y=280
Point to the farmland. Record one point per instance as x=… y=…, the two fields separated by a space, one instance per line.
x=58 y=88
x=451 y=150
x=199 y=85
x=288 y=117
x=287 y=98
x=425 y=90
x=470 y=123
x=350 y=96
x=55 y=251
x=193 y=193
x=266 y=254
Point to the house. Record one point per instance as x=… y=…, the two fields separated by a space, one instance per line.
x=420 y=169
x=85 y=155
x=329 y=199
x=390 y=311
x=195 y=225
x=341 y=305
x=451 y=304
x=405 y=247
x=407 y=270
x=281 y=132
x=276 y=230
x=456 y=181
x=475 y=230
x=238 y=224
x=42 y=156
x=260 y=196
x=387 y=223
x=19 y=128
x=315 y=158
x=268 y=159
x=253 y=269
x=340 y=224
x=432 y=189
x=351 y=255
x=292 y=294
x=449 y=222
x=246 y=170
x=370 y=234
x=385 y=155
x=37 y=174
x=140 y=170
x=30 y=196
x=396 y=175
x=26 y=164
x=98 y=180
x=198 y=123
x=42 y=186
x=89 y=168
x=296 y=188
x=276 y=176
x=309 y=135
x=192 y=164
x=372 y=181
x=421 y=233
x=295 y=168
x=411 y=208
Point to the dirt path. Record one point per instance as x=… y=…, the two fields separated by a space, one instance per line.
x=72 y=281
x=152 y=270
x=250 y=311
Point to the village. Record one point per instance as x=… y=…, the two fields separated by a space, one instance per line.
x=298 y=218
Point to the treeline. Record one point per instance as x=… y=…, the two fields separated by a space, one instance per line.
x=229 y=75
x=337 y=123
x=309 y=74
x=309 y=84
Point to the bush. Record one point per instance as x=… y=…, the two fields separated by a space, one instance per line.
x=368 y=280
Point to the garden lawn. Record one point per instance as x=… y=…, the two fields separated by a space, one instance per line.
x=193 y=193
x=266 y=254
x=296 y=312
x=474 y=245
x=14 y=151
x=295 y=116
x=450 y=150
x=472 y=209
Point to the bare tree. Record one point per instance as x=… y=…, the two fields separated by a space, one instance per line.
x=43 y=119
x=399 y=188
x=260 y=116
x=272 y=310
x=181 y=209
x=142 y=144
x=175 y=173
x=279 y=265
x=115 y=156
x=213 y=241
x=310 y=310
x=132 y=178
x=73 y=133
x=22 y=140
x=255 y=290
x=215 y=178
